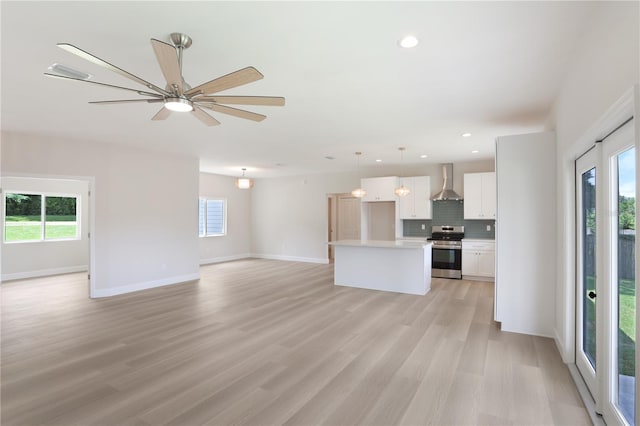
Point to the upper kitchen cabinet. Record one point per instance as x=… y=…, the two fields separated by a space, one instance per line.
x=480 y=195
x=416 y=205
x=380 y=188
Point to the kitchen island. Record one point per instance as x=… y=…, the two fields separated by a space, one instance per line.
x=400 y=266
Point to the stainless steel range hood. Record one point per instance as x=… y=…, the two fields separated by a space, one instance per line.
x=447 y=192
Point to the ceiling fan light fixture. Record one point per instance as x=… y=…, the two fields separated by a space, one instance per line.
x=178 y=104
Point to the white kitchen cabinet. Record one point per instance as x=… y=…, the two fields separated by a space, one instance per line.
x=478 y=258
x=416 y=205
x=380 y=188
x=480 y=195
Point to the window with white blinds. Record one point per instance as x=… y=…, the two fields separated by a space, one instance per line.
x=212 y=217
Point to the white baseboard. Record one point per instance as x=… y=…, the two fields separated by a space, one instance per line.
x=564 y=354
x=529 y=332
x=44 y=272
x=224 y=258
x=476 y=278
x=114 y=291
x=290 y=258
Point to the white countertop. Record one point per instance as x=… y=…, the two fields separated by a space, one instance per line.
x=481 y=240
x=397 y=244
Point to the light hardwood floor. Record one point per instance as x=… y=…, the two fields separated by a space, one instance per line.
x=271 y=342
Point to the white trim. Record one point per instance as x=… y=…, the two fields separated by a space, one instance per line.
x=224 y=258
x=44 y=273
x=586 y=397
x=91 y=228
x=114 y=291
x=477 y=277
x=291 y=258
x=522 y=331
x=615 y=115
x=567 y=357
x=612 y=117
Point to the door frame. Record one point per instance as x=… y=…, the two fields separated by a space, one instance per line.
x=626 y=106
x=591 y=376
x=610 y=302
x=90 y=227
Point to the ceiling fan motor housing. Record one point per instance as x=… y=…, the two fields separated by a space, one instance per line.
x=181 y=41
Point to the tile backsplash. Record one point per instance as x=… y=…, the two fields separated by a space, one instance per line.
x=449 y=213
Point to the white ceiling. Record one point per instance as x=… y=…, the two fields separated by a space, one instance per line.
x=488 y=68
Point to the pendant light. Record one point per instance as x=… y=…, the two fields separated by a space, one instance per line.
x=402 y=191
x=358 y=192
x=244 y=182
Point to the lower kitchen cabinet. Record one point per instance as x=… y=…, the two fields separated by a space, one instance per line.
x=478 y=259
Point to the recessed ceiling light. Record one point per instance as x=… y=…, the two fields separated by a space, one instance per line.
x=409 y=42
x=378 y=161
x=466 y=135
x=475 y=151
x=328 y=157
x=424 y=156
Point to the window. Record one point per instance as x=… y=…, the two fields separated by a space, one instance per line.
x=212 y=217
x=40 y=217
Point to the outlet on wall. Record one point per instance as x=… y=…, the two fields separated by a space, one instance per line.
x=488 y=227
x=423 y=227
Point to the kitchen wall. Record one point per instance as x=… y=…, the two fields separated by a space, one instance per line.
x=603 y=67
x=145 y=218
x=449 y=212
x=236 y=244
x=289 y=214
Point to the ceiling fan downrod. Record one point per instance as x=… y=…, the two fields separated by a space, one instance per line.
x=181 y=42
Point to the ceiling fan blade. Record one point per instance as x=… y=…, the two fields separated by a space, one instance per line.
x=235 y=112
x=126 y=101
x=168 y=59
x=242 y=100
x=94 y=59
x=162 y=114
x=235 y=79
x=204 y=117
x=140 y=92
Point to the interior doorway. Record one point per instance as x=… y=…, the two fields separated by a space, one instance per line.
x=47 y=223
x=343 y=212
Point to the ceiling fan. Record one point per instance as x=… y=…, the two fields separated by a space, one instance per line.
x=178 y=96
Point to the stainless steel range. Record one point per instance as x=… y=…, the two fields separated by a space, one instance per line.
x=446 y=256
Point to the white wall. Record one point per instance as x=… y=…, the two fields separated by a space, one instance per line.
x=146 y=214
x=525 y=233
x=603 y=67
x=40 y=258
x=289 y=214
x=237 y=243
